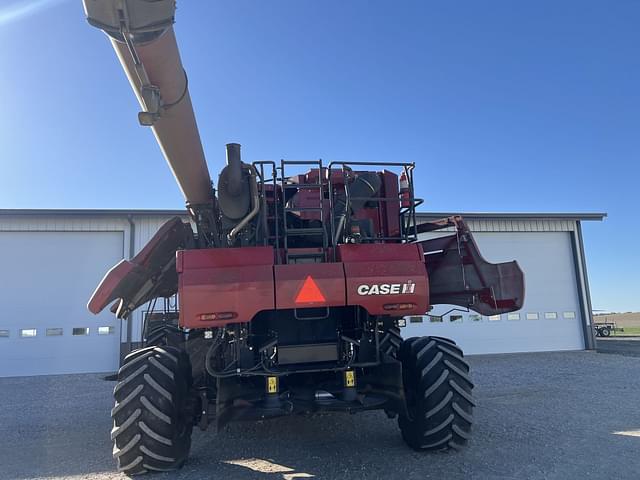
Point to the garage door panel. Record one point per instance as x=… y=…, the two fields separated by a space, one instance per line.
x=47 y=278
x=45 y=356
x=505 y=336
x=547 y=261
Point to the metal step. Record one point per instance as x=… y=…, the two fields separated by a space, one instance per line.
x=303 y=209
x=306 y=255
x=292 y=232
x=302 y=185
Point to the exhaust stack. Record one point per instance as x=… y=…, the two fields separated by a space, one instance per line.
x=234 y=186
x=143 y=37
x=234 y=166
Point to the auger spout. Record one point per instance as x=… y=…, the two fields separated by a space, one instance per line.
x=143 y=37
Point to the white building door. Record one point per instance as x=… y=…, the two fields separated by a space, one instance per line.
x=550 y=318
x=46 y=279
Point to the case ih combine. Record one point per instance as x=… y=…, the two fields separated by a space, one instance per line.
x=292 y=280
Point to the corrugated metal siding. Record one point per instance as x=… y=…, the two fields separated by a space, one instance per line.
x=517 y=225
x=147 y=226
x=55 y=223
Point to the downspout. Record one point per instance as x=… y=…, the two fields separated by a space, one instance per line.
x=132 y=236
x=580 y=275
x=129 y=318
x=586 y=284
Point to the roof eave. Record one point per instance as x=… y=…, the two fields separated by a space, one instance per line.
x=595 y=216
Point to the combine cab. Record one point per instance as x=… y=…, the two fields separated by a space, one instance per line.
x=292 y=281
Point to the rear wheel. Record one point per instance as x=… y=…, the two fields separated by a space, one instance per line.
x=438 y=394
x=606 y=332
x=391 y=341
x=167 y=335
x=152 y=421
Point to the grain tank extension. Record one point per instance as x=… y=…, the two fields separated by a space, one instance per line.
x=292 y=281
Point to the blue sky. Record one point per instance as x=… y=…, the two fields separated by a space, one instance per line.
x=504 y=106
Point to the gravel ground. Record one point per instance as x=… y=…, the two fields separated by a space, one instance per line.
x=539 y=416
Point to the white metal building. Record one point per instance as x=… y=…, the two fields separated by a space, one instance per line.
x=52 y=260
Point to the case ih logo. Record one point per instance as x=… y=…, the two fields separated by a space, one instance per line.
x=387 y=288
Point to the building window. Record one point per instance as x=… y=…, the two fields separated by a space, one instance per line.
x=550 y=315
x=569 y=314
x=80 y=331
x=28 y=332
x=4 y=333
x=475 y=317
x=532 y=316
x=54 y=332
x=435 y=319
x=106 y=330
x=455 y=318
x=513 y=316
x=415 y=320
x=494 y=318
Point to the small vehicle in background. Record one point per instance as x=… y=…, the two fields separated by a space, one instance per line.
x=605 y=329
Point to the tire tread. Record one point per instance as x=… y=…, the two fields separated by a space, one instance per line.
x=437 y=380
x=151 y=429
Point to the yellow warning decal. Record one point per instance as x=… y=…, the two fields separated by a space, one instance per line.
x=349 y=378
x=272 y=384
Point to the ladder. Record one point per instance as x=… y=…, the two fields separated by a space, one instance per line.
x=269 y=198
x=313 y=255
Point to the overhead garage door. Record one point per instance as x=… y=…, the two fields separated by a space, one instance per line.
x=46 y=279
x=550 y=318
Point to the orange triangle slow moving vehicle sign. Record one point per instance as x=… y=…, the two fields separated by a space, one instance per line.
x=310 y=293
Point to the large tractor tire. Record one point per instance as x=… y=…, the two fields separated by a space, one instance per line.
x=164 y=335
x=391 y=341
x=152 y=421
x=438 y=392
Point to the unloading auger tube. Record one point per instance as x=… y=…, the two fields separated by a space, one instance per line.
x=143 y=37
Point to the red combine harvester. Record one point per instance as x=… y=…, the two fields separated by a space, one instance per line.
x=292 y=281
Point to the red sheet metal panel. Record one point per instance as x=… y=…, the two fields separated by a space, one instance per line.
x=222 y=286
x=224 y=257
x=148 y=275
x=295 y=290
x=107 y=291
x=386 y=279
x=370 y=252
